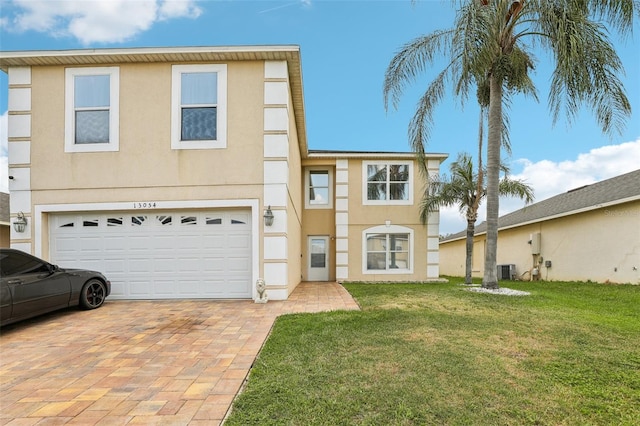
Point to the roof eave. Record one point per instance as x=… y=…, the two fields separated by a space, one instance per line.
x=555 y=216
x=353 y=154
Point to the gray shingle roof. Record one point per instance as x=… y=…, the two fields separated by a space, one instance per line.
x=605 y=193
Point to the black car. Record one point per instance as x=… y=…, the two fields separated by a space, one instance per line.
x=30 y=286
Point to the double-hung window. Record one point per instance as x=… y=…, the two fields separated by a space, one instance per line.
x=199 y=106
x=388 y=250
x=387 y=182
x=318 y=189
x=92 y=109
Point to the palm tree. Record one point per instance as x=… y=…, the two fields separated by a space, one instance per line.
x=489 y=47
x=464 y=189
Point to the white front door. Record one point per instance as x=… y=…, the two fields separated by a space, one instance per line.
x=318 y=259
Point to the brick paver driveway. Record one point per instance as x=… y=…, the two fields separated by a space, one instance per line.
x=143 y=362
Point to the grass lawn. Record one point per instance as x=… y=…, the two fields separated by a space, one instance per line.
x=420 y=354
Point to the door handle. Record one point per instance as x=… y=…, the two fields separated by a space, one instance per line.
x=14 y=282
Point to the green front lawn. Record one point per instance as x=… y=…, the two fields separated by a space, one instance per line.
x=437 y=354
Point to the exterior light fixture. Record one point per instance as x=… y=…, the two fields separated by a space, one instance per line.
x=20 y=223
x=268 y=217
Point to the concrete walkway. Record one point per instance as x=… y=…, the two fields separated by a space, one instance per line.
x=141 y=362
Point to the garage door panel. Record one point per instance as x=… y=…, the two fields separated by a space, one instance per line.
x=140 y=265
x=114 y=243
x=213 y=241
x=118 y=289
x=115 y=265
x=140 y=288
x=92 y=243
x=164 y=288
x=237 y=288
x=65 y=244
x=189 y=288
x=189 y=264
x=161 y=255
x=139 y=242
x=213 y=266
x=91 y=264
x=238 y=241
x=164 y=265
x=239 y=264
x=164 y=242
x=187 y=242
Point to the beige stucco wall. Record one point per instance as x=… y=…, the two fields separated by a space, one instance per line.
x=452 y=257
x=145 y=159
x=362 y=217
x=599 y=245
x=318 y=222
x=294 y=208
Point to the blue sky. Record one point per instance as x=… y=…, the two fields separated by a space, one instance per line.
x=346 y=47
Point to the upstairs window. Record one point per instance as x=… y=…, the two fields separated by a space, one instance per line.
x=318 y=189
x=387 y=183
x=91 y=109
x=198 y=115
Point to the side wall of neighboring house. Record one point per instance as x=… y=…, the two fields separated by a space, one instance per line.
x=601 y=245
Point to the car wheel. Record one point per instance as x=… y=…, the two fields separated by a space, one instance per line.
x=93 y=294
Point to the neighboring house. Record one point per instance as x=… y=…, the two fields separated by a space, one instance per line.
x=5 y=233
x=588 y=233
x=161 y=167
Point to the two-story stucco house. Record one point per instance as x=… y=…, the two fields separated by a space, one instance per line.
x=161 y=168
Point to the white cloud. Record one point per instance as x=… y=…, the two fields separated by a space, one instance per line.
x=99 y=21
x=549 y=178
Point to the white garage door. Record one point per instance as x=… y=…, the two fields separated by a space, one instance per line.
x=159 y=255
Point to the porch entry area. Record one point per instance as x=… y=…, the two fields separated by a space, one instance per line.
x=318 y=258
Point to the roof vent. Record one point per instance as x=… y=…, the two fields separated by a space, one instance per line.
x=577 y=189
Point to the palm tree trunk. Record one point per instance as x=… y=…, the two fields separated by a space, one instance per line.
x=490 y=279
x=469 y=246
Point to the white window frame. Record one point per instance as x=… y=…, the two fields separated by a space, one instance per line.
x=307 y=187
x=70 y=144
x=176 y=108
x=365 y=199
x=391 y=229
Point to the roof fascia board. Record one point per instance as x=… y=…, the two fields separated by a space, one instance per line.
x=411 y=155
x=105 y=52
x=564 y=214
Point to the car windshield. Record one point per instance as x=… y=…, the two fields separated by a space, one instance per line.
x=15 y=263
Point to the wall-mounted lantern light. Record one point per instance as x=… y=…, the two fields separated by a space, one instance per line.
x=268 y=217
x=20 y=223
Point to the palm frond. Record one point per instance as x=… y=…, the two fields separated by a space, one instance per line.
x=587 y=66
x=516 y=188
x=410 y=61
x=418 y=131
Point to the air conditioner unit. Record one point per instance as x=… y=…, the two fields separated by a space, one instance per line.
x=507 y=272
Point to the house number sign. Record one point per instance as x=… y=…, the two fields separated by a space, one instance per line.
x=145 y=205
